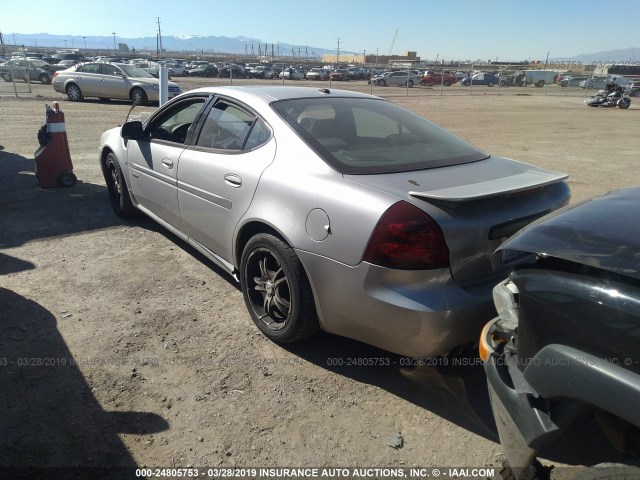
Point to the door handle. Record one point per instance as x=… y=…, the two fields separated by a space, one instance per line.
x=233 y=180
x=167 y=162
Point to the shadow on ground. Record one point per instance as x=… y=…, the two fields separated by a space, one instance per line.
x=454 y=388
x=51 y=422
x=29 y=212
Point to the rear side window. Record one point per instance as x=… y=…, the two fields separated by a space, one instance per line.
x=226 y=127
x=368 y=135
x=89 y=68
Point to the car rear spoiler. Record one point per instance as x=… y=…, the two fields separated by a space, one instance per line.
x=493 y=188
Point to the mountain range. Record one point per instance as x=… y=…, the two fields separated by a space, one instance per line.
x=631 y=55
x=177 y=43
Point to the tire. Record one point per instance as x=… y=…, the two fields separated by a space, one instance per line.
x=409 y=83
x=139 y=95
x=540 y=84
x=67 y=179
x=117 y=188
x=276 y=290
x=446 y=83
x=490 y=84
x=381 y=83
x=624 y=103
x=44 y=79
x=74 y=93
x=6 y=77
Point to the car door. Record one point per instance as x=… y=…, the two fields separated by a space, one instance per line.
x=219 y=174
x=153 y=161
x=88 y=78
x=115 y=83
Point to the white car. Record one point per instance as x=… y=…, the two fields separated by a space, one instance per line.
x=317 y=74
x=292 y=74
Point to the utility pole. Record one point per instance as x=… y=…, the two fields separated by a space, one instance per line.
x=338 y=54
x=114 y=43
x=85 y=42
x=159 y=38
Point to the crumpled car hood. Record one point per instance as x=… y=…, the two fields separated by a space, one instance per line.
x=602 y=232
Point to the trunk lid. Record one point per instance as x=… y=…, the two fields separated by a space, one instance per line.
x=478 y=206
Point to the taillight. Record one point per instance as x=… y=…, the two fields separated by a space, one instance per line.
x=55 y=74
x=407 y=238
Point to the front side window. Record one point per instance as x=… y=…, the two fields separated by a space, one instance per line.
x=362 y=135
x=174 y=124
x=108 y=69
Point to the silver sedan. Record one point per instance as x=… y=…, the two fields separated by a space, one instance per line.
x=110 y=80
x=332 y=209
x=400 y=78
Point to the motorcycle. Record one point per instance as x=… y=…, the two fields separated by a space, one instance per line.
x=611 y=96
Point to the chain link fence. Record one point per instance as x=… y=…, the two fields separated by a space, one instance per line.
x=15 y=76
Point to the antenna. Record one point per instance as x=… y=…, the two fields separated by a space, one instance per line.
x=136 y=102
x=159 y=38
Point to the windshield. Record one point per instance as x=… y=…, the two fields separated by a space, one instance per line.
x=362 y=135
x=135 y=72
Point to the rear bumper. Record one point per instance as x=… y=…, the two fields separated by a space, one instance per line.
x=413 y=313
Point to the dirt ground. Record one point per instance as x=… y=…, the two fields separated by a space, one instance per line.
x=122 y=346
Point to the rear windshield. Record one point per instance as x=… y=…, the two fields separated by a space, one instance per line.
x=362 y=135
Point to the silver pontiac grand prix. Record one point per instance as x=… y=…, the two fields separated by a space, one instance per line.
x=333 y=209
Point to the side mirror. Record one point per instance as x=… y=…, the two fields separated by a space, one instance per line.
x=132 y=131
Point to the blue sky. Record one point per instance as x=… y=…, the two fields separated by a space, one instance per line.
x=457 y=29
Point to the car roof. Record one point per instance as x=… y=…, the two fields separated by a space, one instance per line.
x=602 y=232
x=268 y=94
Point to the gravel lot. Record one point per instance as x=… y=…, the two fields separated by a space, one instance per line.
x=122 y=346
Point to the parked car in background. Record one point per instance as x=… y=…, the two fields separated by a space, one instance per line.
x=402 y=78
x=226 y=71
x=64 y=64
x=487 y=79
x=356 y=73
x=317 y=74
x=572 y=81
x=431 y=78
x=175 y=69
x=511 y=78
x=33 y=70
x=341 y=75
x=292 y=74
x=594 y=83
x=632 y=89
x=539 y=78
x=386 y=237
x=202 y=70
x=110 y=80
x=261 y=71
x=566 y=341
